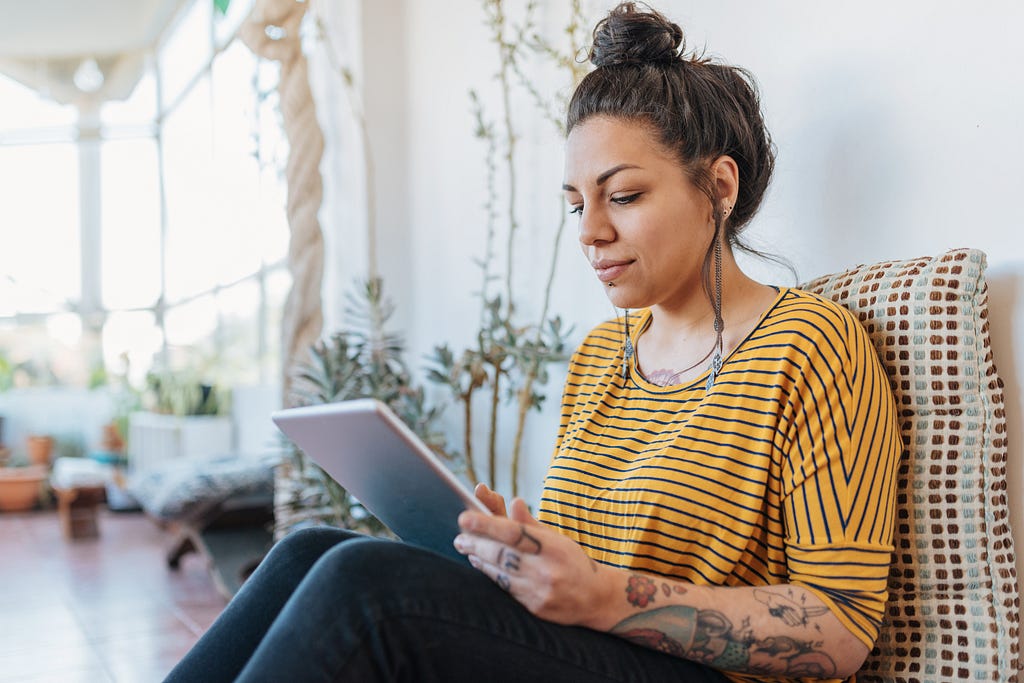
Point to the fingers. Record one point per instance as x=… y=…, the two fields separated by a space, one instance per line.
x=499 y=576
x=521 y=512
x=527 y=542
x=500 y=555
x=501 y=564
x=499 y=546
x=494 y=502
x=521 y=531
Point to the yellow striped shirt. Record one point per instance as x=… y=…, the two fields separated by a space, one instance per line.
x=783 y=473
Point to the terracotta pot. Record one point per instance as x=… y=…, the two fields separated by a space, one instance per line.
x=20 y=487
x=112 y=441
x=40 y=450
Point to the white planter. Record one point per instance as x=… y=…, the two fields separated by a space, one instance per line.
x=154 y=439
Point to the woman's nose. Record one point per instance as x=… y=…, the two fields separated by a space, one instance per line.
x=595 y=227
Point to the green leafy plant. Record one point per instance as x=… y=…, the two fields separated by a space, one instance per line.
x=510 y=356
x=364 y=360
x=180 y=393
x=6 y=372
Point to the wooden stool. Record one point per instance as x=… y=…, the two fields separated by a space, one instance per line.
x=76 y=508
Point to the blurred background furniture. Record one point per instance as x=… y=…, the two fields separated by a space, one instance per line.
x=211 y=479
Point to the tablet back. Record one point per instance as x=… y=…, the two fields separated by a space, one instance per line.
x=367 y=449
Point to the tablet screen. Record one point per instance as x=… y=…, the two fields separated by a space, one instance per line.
x=367 y=449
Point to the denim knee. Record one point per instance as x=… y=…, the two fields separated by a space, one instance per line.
x=313 y=536
x=381 y=575
x=360 y=560
x=303 y=547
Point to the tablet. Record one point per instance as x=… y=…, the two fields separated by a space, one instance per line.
x=367 y=449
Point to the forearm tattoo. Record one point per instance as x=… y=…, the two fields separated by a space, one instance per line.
x=709 y=637
x=641 y=590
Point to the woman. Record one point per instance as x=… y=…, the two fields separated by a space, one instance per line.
x=720 y=502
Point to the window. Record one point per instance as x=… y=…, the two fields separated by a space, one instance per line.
x=25 y=109
x=40 y=200
x=130 y=236
x=175 y=257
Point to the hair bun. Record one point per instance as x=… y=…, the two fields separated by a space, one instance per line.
x=632 y=36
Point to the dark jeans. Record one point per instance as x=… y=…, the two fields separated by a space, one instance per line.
x=329 y=605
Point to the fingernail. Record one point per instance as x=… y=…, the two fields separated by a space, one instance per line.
x=475 y=561
x=459 y=543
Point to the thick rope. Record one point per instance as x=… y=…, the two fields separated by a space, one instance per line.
x=302 y=319
x=272 y=31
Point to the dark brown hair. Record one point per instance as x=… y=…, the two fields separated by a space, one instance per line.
x=696 y=108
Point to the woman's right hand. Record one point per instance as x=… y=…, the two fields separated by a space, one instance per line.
x=494 y=502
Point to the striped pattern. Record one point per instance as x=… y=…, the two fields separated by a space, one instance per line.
x=784 y=472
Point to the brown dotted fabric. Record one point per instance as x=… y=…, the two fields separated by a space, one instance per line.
x=953 y=604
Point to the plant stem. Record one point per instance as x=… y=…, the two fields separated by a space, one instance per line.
x=467 y=431
x=549 y=285
x=359 y=114
x=493 y=436
x=507 y=58
x=486 y=131
x=525 y=394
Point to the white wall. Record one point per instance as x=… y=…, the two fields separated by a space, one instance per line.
x=899 y=130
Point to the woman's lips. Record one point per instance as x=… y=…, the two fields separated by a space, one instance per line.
x=610 y=270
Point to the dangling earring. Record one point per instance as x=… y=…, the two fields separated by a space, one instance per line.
x=627 y=354
x=716 y=361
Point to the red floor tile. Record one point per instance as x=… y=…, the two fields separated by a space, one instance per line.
x=103 y=610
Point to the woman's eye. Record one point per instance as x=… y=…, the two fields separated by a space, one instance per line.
x=627 y=199
x=578 y=209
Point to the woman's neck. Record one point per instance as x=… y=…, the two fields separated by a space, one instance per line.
x=678 y=339
x=694 y=315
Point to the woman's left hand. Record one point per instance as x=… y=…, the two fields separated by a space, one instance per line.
x=542 y=569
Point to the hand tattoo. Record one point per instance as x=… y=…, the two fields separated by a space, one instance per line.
x=503 y=581
x=532 y=544
x=508 y=559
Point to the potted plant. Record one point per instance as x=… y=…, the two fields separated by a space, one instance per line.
x=5 y=453
x=21 y=487
x=40 y=449
x=182 y=416
x=360 y=361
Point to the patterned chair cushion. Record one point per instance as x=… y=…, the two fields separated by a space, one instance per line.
x=953 y=602
x=185 y=488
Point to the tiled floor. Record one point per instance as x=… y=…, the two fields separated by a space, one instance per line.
x=106 y=610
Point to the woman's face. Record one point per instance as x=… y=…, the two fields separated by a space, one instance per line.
x=643 y=226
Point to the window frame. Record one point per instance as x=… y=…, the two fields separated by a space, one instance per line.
x=88 y=135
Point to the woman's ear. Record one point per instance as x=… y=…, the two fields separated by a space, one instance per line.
x=726 y=176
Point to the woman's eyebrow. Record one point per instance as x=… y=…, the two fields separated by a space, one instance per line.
x=603 y=178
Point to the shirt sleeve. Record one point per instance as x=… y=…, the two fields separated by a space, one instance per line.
x=839 y=471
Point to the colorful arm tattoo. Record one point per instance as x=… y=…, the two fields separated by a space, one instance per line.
x=709 y=637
